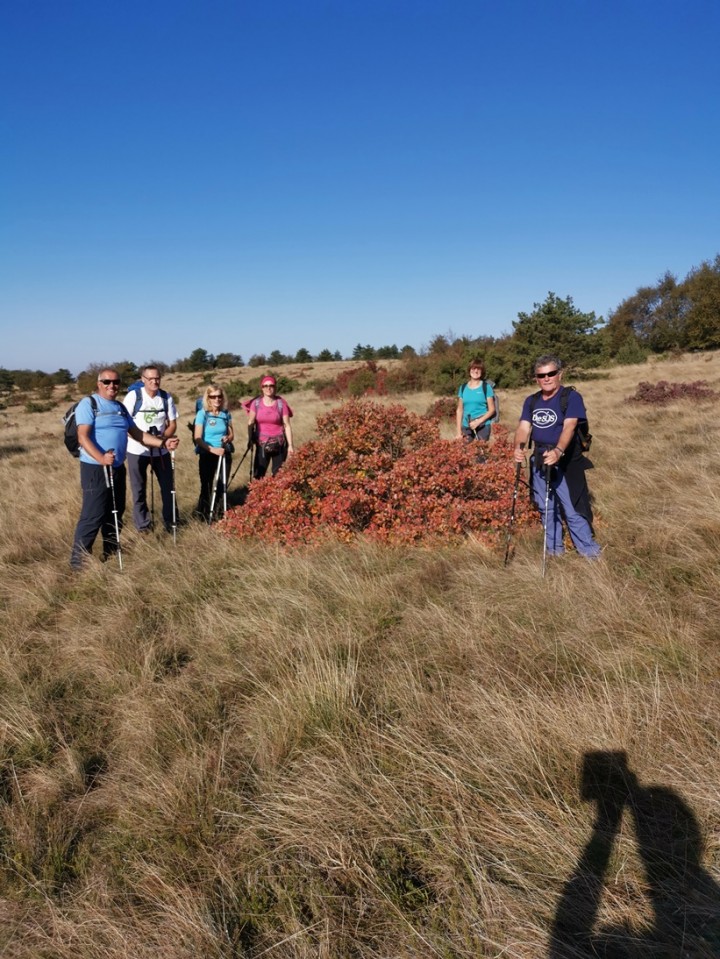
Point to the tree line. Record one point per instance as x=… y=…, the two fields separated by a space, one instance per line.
x=682 y=315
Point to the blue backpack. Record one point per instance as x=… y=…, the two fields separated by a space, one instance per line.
x=136 y=388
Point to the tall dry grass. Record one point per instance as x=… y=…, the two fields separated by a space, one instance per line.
x=233 y=751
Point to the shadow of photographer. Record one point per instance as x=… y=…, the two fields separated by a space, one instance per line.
x=684 y=898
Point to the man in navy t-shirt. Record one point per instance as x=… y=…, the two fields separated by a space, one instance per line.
x=553 y=437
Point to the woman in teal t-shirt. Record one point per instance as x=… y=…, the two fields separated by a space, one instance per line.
x=476 y=405
x=213 y=439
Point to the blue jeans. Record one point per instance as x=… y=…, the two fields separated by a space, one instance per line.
x=560 y=507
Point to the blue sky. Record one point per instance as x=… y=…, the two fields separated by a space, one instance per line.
x=316 y=173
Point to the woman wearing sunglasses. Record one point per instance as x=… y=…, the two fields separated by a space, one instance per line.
x=269 y=419
x=213 y=439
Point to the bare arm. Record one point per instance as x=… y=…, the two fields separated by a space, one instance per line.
x=85 y=441
x=459 y=418
x=156 y=442
x=522 y=435
x=476 y=423
x=288 y=433
x=201 y=444
x=553 y=457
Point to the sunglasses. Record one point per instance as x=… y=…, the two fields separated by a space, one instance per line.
x=215 y=396
x=152 y=379
x=109 y=382
x=543 y=376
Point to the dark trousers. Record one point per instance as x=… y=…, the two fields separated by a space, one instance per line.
x=483 y=433
x=96 y=514
x=137 y=467
x=207 y=465
x=262 y=461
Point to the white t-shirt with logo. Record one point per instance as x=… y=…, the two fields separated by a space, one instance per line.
x=150 y=416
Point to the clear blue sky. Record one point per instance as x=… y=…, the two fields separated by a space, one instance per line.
x=244 y=176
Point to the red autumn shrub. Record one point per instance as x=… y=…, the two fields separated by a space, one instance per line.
x=366 y=380
x=369 y=380
x=383 y=472
x=664 y=392
x=443 y=409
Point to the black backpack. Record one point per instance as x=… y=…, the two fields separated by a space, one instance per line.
x=71 y=436
x=582 y=440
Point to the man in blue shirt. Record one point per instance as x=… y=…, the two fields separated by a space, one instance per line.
x=552 y=432
x=103 y=425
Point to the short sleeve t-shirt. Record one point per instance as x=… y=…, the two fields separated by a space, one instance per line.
x=474 y=402
x=214 y=425
x=108 y=427
x=547 y=417
x=150 y=417
x=270 y=418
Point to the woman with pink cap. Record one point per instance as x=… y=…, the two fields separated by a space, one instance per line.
x=270 y=415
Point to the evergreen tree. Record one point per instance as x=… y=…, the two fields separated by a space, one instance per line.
x=556 y=326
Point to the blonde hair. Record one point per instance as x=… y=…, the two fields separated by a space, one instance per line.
x=213 y=388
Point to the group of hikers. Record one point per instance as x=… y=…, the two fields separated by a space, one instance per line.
x=141 y=431
x=116 y=439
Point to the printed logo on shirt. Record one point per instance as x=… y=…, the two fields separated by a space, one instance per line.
x=149 y=416
x=544 y=419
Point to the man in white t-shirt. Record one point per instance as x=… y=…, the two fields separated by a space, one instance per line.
x=153 y=411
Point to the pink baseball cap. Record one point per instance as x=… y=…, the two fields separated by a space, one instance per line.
x=268 y=381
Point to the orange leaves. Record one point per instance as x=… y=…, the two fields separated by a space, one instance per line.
x=382 y=472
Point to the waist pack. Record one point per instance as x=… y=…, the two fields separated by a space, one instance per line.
x=273 y=445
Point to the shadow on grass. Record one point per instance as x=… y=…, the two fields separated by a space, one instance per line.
x=684 y=898
x=7 y=451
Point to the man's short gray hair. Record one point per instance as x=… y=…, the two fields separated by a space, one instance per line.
x=546 y=359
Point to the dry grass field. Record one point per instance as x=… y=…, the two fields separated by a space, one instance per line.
x=232 y=751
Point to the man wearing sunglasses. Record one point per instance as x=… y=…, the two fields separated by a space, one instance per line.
x=549 y=422
x=103 y=425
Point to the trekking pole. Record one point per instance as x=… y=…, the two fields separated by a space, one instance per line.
x=152 y=490
x=518 y=467
x=548 y=470
x=174 y=497
x=224 y=476
x=153 y=431
x=249 y=447
x=110 y=482
x=214 y=492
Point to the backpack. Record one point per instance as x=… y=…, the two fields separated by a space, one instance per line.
x=485 y=384
x=256 y=405
x=583 y=437
x=136 y=388
x=71 y=436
